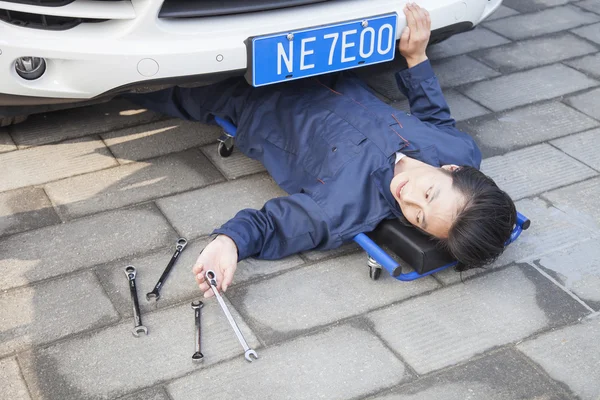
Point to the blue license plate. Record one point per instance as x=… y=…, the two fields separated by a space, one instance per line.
x=314 y=51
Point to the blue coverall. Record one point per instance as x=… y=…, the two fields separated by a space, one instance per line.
x=328 y=142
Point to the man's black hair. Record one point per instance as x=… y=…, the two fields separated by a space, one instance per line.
x=484 y=224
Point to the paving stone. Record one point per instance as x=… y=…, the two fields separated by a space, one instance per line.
x=180 y=285
x=580 y=201
x=40 y=314
x=79 y=244
x=133 y=183
x=570 y=355
x=588 y=103
x=461 y=107
x=6 y=143
x=346 y=248
x=501 y=12
x=281 y=308
x=547 y=21
x=526 y=6
x=479 y=38
x=588 y=64
x=535 y=52
x=13 y=386
x=456 y=323
x=551 y=229
x=82 y=121
x=584 y=147
x=525 y=126
x=578 y=269
x=504 y=375
x=460 y=70
x=591 y=32
x=111 y=362
x=234 y=166
x=24 y=209
x=590 y=5
x=542 y=83
x=198 y=213
x=322 y=366
x=159 y=138
x=533 y=170
x=150 y=394
x=52 y=162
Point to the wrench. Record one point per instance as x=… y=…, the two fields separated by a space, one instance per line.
x=155 y=293
x=137 y=317
x=212 y=281
x=197 y=306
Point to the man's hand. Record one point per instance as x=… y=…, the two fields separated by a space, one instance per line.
x=415 y=36
x=220 y=256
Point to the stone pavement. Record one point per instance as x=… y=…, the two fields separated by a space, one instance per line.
x=85 y=192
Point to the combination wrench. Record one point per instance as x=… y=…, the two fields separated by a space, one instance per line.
x=137 y=317
x=155 y=293
x=212 y=281
x=198 y=356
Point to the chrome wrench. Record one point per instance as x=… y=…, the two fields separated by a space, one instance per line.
x=212 y=281
x=198 y=356
x=137 y=317
x=155 y=293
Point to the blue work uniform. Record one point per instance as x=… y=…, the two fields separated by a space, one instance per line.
x=330 y=143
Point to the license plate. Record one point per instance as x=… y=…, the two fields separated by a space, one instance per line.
x=314 y=51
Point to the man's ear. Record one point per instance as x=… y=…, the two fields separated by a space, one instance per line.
x=450 y=167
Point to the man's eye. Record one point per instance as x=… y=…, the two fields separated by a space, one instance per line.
x=419 y=218
x=427 y=193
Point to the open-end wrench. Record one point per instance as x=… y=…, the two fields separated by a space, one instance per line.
x=155 y=293
x=198 y=356
x=137 y=317
x=212 y=281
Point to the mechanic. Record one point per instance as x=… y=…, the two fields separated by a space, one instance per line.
x=348 y=161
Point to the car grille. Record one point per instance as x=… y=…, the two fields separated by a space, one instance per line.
x=210 y=8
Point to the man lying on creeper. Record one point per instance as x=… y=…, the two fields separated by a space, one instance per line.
x=348 y=161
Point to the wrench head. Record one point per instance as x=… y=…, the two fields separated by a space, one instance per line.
x=197 y=304
x=249 y=353
x=139 y=329
x=181 y=243
x=153 y=295
x=198 y=357
x=211 y=277
x=130 y=272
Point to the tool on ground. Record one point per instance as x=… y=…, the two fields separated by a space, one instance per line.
x=137 y=317
x=197 y=306
x=212 y=281
x=155 y=293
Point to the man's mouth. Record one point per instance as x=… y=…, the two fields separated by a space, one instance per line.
x=399 y=189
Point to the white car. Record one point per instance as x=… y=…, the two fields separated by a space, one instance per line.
x=60 y=53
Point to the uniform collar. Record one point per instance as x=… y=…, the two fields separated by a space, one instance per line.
x=383 y=177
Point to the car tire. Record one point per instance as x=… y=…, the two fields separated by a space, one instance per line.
x=7 y=121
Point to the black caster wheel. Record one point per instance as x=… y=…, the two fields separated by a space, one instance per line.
x=374 y=273
x=224 y=151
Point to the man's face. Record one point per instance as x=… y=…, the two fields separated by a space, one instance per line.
x=427 y=198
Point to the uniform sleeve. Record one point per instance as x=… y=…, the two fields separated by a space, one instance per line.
x=420 y=85
x=284 y=226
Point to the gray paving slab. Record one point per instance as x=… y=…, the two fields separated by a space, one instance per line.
x=24 y=209
x=341 y=363
x=502 y=12
x=6 y=143
x=535 y=52
x=588 y=64
x=551 y=229
x=47 y=252
x=503 y=375
x=547 y=21
x=461 y=107
x=456 y=323
x=533 y=170
x=180 y=285
x=346 y=248
x=579 y=201
x=570 y=355
x=132 y=183
x=538 y=84
x=588 y=103
x=524 y=126
x=110 y=363
x=578 y=269
x=159 y=138
x=149 y=394
x=199 y=212
x=590 y=32
x=281 y=308
x=13 y=386
x=590 y=5
x=459 y=70
x=479 y=38
x=235 y=166
x=82 y=121
x=584 y=147
x=43 y=313
x=534 y=5
x=52 y=162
